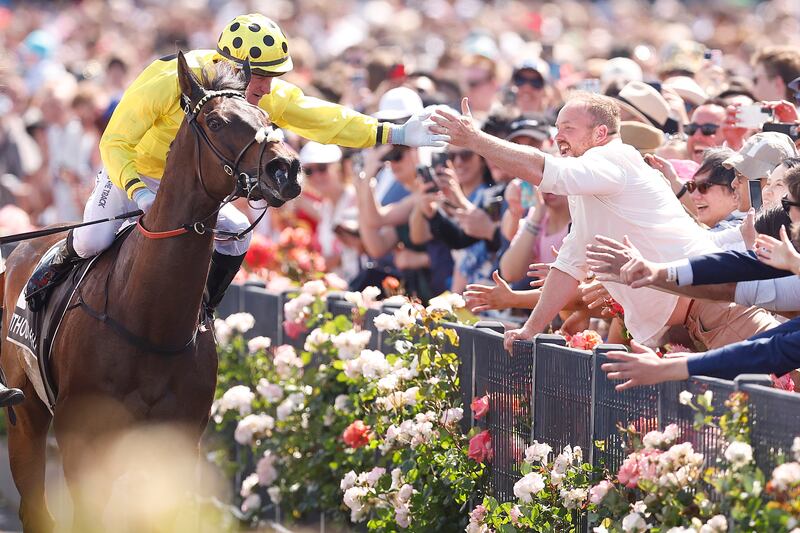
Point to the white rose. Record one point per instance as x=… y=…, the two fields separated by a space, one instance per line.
x=388 y=383
x=374 y=475
x=355 y=298
x=348 y=481
x=786 y=476
x=373 y=364
x=402 y=515
x=251 y=503
x=269 y=391
x=352 y=368
x=265 y=469
x=451 y=416
x=222 y=331
x=537 y=452
x=258 y=343
x=248 y=485
x=314 y=288
x=633 y=523
x=241 y=322
x=402 y=347
x=685 y=397
x=796 y=448
x=717 y=524
x=410 y=395
x=739 y=454
x=274 y=494
x=252 y=425
x=708 y=395
x=370 y=294
x=316 y=339
x=239 y=398
x=407 y=315
x=385 y=322
x=405 y=492
x=530 y=484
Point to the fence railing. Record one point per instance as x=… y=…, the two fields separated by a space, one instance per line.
x=551 y=393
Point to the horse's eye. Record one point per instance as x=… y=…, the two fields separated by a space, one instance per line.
x=214 y=124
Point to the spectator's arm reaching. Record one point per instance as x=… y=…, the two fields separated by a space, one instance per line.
x=522 y=251
x=378 y=239
x=775 y=351
x=515 y=159
x=419 y=228
x=779 y=295
x=445 y=229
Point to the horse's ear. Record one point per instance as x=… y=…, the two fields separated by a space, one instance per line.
x=188 y=82
x=246 y=71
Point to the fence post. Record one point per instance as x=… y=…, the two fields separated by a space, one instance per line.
x=541 y=338
x=597 y=373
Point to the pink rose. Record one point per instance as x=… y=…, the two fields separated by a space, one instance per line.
x=599 y=491
x=480 y=447
x=480 y=406
x=784 y=382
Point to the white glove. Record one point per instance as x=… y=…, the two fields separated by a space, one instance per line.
x=144 y=199
x=416 y=132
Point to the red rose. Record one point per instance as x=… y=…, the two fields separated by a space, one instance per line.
x=293 y=329
x=356 y=435
x=480 y=406
x=480 y=447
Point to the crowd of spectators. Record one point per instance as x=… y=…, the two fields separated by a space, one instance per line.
x=704 y=95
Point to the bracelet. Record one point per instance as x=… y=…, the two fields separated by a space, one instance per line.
x=672 y=274
x=681 y=192
x=533 y=229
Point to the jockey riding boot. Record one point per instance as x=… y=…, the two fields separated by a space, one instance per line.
x=223 y=270
x=9 y=397
x=52 y=270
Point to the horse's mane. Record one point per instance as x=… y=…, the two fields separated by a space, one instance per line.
x=221 y=76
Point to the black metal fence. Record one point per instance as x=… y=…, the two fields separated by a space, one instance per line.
x=554 y=394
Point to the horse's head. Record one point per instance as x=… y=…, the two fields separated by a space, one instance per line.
x=238 y=150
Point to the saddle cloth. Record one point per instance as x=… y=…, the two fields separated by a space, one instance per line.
x=34 y=332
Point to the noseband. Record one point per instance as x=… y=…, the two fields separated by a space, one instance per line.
x=246 y=184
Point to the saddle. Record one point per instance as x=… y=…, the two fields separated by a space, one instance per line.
x=35 y=331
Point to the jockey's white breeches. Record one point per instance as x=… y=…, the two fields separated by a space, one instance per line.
x=107 y=200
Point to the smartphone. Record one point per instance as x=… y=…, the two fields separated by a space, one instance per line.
x=493 y=208
x=787 y=128
x=527 y=195
x=753 y=116
x=427 y=176
x=754 y=187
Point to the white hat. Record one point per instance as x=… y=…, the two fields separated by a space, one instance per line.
x=647 y=105
x=314 y=152
x=398 y=103
x=620 y=69
x=687 y=88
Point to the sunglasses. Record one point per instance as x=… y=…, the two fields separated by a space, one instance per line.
x=701 y=187
x=706 y=129
x=463 y=154
x=788 y=204
x=315 y=169
x=535 y=82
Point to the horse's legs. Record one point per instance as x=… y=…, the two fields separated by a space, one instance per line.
x=27 y=442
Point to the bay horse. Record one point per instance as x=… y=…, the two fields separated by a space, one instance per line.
x=153 y=289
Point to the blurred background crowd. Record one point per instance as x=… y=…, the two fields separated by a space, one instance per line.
x=690 y=76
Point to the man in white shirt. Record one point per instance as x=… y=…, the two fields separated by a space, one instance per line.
x=611 y=189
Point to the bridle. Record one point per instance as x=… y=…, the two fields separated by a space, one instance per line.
x=246 y=184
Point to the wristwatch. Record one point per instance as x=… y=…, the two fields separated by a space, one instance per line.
x=681 y=192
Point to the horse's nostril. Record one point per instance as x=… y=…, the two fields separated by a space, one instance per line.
x=290 y=190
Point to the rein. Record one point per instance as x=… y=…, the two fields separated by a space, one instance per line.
x=245 y=183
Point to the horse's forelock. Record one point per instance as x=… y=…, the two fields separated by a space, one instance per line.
x=222 y=76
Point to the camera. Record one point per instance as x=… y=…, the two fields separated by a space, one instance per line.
x=426 y=173
x=787 y=128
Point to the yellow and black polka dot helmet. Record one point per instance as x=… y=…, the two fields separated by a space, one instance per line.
x=259 y=39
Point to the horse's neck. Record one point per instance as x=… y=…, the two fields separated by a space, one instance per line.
x=167 y=276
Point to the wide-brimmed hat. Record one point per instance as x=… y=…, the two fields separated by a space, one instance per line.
x=644 y=137
x=647 y=105
x=316 y=153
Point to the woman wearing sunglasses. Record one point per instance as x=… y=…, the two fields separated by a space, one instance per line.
x=712 y=193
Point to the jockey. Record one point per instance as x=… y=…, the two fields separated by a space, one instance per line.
x=135 y=144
